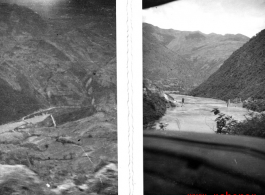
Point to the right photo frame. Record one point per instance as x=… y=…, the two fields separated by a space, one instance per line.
x=203 y=97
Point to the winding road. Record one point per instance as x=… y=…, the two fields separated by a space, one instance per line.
x=196 y=115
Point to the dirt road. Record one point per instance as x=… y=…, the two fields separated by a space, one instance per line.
x=196 y=115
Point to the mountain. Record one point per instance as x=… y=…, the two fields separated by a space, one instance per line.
x=63 y=61
x=242 y=74
x=164 y=67
x=58 y=100
x=181 y=59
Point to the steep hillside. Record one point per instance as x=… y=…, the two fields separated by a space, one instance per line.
x=165 y=68
x=191 y=57
x=56 y=61
x=241 y=75
x=58 y=99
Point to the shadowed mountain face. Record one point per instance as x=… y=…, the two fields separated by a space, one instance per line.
x=181 y=60
x=53 y=62
x=241 y=75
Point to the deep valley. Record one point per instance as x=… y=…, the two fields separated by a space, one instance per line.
x=58 y=121
x=182 y=60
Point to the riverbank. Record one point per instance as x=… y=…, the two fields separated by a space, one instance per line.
x=196 y=116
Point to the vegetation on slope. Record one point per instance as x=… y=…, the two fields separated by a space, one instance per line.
x=257 y=105
x=242 y=74
x=154 y=105
x=254 y=125
x=165 y=68
x=67 y=62
x=181 y=60
x=56 y=62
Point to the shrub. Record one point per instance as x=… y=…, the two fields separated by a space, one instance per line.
x=154 y=107
x=257 y=105
x=224 y=122
x=255 y=126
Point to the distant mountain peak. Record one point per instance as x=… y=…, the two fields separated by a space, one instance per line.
x=197 y=35
x=181 y=60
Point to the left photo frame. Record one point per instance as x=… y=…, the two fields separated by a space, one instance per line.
x=58 y=97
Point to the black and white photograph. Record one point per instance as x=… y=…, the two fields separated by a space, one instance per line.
x=58 y=97
x=203 y=96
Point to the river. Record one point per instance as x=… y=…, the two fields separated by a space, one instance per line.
x=196 y=115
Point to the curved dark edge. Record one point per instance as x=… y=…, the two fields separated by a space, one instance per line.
x=153 y=3
x=203 y=162
x=169 y=180
x=243 y=149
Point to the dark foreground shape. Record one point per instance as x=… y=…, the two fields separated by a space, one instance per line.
x=154 y=107
x=153 y=3
x=193 y=163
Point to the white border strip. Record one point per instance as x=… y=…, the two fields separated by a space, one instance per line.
x=129 y=83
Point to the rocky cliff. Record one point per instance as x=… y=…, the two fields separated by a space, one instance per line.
x=181 y=60
x=242 y=74
x=53 y=62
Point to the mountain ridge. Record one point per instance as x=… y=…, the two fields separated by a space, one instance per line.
x=48 y=63
x=203 y=55
x=241 y=75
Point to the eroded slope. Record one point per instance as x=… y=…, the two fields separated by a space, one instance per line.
x=55 y=62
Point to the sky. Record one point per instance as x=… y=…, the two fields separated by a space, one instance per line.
x=51 y=8
x=42 y=7
x=245 y=17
